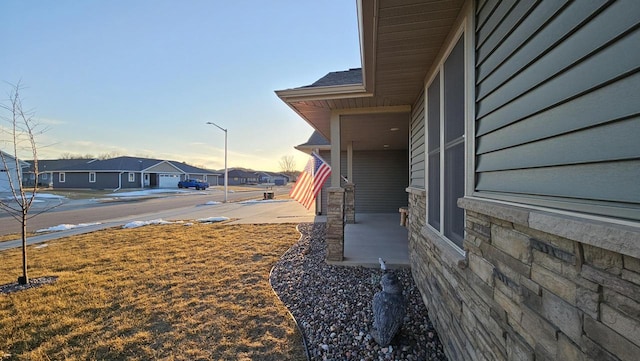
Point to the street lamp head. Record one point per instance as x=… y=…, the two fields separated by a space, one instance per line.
x=221 y=128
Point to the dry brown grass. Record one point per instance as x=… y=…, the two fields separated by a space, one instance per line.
x=14 y=236
x=170 y=292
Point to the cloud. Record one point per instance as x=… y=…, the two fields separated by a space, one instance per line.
x=50 y=121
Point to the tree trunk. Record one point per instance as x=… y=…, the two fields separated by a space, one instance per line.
x=24 y=279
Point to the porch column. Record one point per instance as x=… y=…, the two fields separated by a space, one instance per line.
x=335 y=224
x=350 y=161
x=350 y=203
x=350 y=189
x=335 y=150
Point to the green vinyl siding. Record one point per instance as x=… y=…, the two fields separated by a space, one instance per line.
x=416 y=158
x=381 y=179
x=557 y=116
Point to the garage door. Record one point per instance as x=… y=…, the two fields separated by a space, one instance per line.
x=168 y=181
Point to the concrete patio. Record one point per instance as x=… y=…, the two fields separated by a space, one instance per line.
x=375 y=235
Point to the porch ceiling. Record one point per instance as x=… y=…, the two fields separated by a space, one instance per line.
x=387 y=131
x=399 y=40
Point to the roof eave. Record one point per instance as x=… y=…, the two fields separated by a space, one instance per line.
x=322 y=93
x=310 y=148
x=367 y=21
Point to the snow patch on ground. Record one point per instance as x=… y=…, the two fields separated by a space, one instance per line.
x=40 y=197
x=213 y=219
x=64 y=227
x=136 y=224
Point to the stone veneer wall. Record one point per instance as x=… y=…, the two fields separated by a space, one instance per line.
x=350 y=203
x=526 y=294
x=335 y=224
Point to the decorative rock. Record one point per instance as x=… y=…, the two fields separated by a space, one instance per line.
x=308 y=286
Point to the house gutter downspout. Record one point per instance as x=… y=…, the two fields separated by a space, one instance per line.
x=119 y=182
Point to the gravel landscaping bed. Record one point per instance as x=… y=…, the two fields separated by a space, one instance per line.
x=332 y=306
x=33 y=282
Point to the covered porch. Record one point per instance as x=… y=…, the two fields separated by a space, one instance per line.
x=365 y=116
x=373 y=236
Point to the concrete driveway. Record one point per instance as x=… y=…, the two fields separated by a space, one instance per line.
x=247 y=212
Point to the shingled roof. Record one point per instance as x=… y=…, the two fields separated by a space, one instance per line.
x=346 y=77
x=132 y=164
x=315 y=139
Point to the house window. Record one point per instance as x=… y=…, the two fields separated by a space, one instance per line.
x=132 y=177
x=61 y=177
x=45 y=176
x=92 y=177
x=445 y=146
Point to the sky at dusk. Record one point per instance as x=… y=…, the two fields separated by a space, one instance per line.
x=141 y=78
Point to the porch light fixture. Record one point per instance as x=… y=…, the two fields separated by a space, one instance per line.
x=226 y=173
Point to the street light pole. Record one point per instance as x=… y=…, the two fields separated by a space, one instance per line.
x=226 y=173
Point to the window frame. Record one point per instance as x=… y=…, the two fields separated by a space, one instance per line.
x=131 y=177
x=62 y=177
x=92 y=177
x=464 y=33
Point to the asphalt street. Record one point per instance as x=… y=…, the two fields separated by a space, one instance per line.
x=241 y=208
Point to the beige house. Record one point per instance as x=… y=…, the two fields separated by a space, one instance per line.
x=517 y=125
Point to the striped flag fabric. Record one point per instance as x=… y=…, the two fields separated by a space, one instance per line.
x=310 y=181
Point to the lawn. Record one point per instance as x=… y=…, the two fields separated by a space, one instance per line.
x=168 y=292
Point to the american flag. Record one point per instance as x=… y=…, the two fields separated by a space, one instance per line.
x=310 y=181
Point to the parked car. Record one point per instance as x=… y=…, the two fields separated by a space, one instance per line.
x=193 y=183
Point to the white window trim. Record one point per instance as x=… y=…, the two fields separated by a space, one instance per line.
x=465 y=30
x=132 y=177
x=92 y=177
x=62 y=177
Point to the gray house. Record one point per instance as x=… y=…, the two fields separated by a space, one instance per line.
x=127 y=172
x=519 y=124
x=11 y=172
x=271 y=177
x=46 y=168
x=240 y=177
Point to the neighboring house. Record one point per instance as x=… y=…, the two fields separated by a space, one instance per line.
x=240 y=177
x=517 y=123
x=127 y=172
x=273 y=178
x=10 y=174
x=46 y=169
x=191 y=172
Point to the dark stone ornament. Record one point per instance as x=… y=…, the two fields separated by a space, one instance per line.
x=389 y=308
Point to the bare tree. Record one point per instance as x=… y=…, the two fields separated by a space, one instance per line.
x=287 y=164
x=109 y=155
x=67 y=155
x=20 y=135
